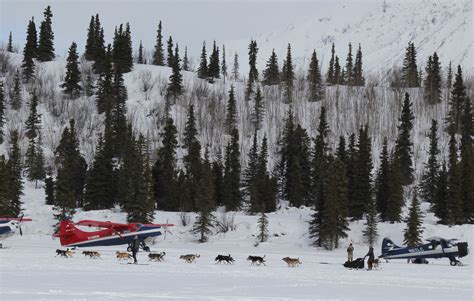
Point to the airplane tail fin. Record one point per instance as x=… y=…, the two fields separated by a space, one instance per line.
x=462 y=249
x=67 y=232
x=387 y=244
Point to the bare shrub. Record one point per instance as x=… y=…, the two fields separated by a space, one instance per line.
x=226 y=224
x=184 y=218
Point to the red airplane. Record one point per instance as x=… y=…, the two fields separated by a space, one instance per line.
x=111 y=234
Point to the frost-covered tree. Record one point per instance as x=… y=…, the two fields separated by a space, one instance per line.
x=235 y=67
x=16 y=99
x=33 y=123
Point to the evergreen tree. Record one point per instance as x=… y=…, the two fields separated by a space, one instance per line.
x=382 y=183
x=231 y=184
x=430 y=174
x=404 y=144
x=330 y=76
x=73 y=75
x=170 y=59
x=223 y=64
x=164 y=171
x=321 y=159
x=202 y=69
x=316 y=89
x=262 y=228
x=231 y=112
x=439 y=206
x=46 y=37
x=453 y=202
x=35 y=161
x=30 y=51
x=104 y=93
x=2 y=112
x=410 y=76
x=271 y=74
x=266 y=185
x=14 y=180
x=466 y=163
x=205 y=219
x=186 y=60
x=395 y=200
x=16 y=100
x=456 y=102
x=49 y=188
x=158 y=55
x=362 y=186
x=253 y=72
x=10 y=43
x=432 y=83
x=118 y=116
x=33 y=122
x=349 y=76
x=414 y=220
x=449 y=79
x=71 y=174
x=235 y=67
x=213 y=70
x=91 y=49
x=100 y=59
x=370 y=232
x=122 y=49
x=140 y=59
x=258 y=110
x=359 y=79
x=288 y=75
x=250 y=176
x=338 y=77
x=175 y=86
x=100 y=183
x=5 y=202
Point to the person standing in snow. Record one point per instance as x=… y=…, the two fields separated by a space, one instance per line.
x=135 y=248
x=371 y=256
x=350 y=252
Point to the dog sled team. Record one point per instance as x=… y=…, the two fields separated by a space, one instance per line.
x=358 y=263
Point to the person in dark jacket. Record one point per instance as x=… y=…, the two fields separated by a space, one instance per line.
x=350 y=253
x=135 y=248
x=371 y=256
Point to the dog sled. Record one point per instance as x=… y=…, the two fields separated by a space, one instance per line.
x=355 y=264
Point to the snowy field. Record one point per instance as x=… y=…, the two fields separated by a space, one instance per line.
x=30 y=271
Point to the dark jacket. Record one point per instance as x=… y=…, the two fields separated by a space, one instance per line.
x=370 y=254
x=135 y=245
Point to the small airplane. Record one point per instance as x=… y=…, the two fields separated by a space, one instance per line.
x=112 y=233
x=436 y=247
x=8 y=226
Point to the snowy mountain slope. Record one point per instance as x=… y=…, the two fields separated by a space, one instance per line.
x=383 y=28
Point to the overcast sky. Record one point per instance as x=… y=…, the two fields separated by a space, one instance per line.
x=189 y=22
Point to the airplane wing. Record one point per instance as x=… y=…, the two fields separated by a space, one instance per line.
x=25 y=219
x=100 y=224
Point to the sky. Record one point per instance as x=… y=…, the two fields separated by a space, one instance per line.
x=189 y=22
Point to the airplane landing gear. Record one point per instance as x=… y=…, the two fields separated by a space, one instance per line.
x=455 y=262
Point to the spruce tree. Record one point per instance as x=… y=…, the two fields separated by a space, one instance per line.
x=410 y=76
x=213 y=69
x=49 y=188
x=330 y=76
x=140 y=59
x=35 y=161
x=370 y=232
x=235 y=67
x=46 y=37
x=466 y=163
x=414 y=230
x=118 y=116
x=191 y=161
x=432 y=83
x=202 y=69
x=71 y=84
x=395 y=200
x=10 y=43
x=100 y=51
x=271 y=74
x=14 y=179
x=316 y=89
x=359 y=79
x=2 y=112
x=186 y=60
x=404 y=143
x=258 y=110
x=262 y=225
x=33 y=122
x=454 y=203
x=456 y=103
x=175 y=86
x=338 y=76
x=449 y=78
x=5 y=202
x=122 y=49
x=439 y=206
x=164 y=171
x=231 y=112
x=430 y=174
x=104 y=93
x=170 y=58
x=349 y=76
x=204 y=201
x=231 y=184
x=382 y=183
x=250 y=177
x=288 y=75
x=16 y=99
x=321 y=159
x=253 y=72
x=223 y=64
x=266 y=185
x=91 y=49
x=30 y=51
x=158 y=55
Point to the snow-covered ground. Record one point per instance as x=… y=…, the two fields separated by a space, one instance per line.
x=29 y=269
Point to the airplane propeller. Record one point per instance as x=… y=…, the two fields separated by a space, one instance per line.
x=19 y=225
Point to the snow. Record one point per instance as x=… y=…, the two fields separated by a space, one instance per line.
x=29 y=269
